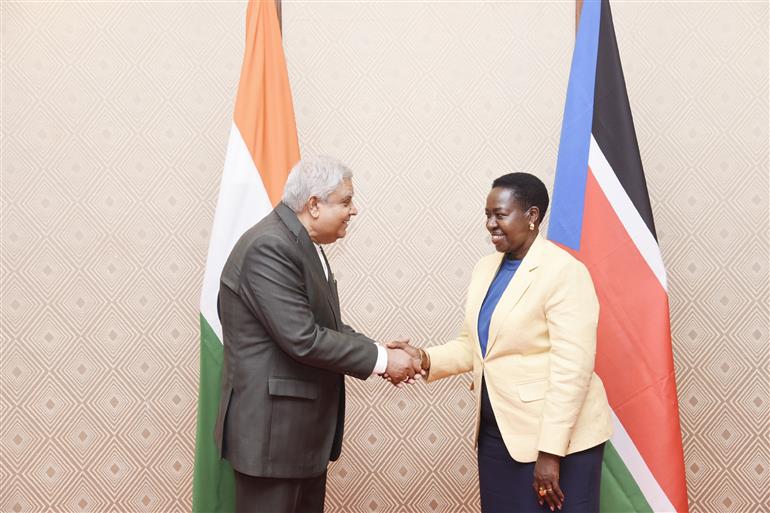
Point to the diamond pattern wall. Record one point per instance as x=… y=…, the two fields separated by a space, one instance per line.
x=115 y=117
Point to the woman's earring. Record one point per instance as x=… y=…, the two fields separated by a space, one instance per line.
x=531 y=226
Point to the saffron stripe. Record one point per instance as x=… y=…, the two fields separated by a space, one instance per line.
x=264 y=112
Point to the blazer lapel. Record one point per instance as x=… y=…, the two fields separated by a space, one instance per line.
x=310 y=255
x=333 y=287
x=478 y=291
x=516 y=288
x=335 y=298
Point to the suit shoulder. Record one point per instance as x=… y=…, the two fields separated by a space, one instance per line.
x=269 y=233
x=484 y=263
x=561 y=263
x=486 y=260
x=560 y=256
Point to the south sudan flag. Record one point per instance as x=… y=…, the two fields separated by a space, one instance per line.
x=601 y=213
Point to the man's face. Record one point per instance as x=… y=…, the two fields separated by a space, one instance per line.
x=334 y=214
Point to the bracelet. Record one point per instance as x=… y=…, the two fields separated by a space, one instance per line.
x=424 y=361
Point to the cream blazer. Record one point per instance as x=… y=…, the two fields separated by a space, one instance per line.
x=539 y=365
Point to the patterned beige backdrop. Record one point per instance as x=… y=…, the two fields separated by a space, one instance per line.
x=115 y=117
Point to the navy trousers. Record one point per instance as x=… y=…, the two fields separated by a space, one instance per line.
x=506 y=485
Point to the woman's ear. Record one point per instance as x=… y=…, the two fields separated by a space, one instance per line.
x=534 y=215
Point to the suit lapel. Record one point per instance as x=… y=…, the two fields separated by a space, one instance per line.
x=515 y=290
x=311 y=256
x=335 y=298
x=333 y=287
x=478 y=291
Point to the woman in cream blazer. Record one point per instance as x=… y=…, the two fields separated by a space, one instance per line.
x=529 y=337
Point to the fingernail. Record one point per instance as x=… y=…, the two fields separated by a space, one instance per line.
x=551 y=508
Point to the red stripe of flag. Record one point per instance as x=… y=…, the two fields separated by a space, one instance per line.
x=634 y=356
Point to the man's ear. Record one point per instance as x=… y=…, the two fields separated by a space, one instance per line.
x=312 y=207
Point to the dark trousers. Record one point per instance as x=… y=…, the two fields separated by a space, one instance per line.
x=506 y=485
x=272 y=495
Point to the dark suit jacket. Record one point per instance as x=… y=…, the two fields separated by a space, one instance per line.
x=286 y=351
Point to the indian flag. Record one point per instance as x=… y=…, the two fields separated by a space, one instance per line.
x=261 y=150
x=601 y=213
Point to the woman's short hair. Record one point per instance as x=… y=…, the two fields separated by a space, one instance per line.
x=315 y=176
x=527 y=189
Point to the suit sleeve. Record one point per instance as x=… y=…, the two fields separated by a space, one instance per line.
x=572 y=314
x=348 y=330
x=273 y=287
x=382 y=353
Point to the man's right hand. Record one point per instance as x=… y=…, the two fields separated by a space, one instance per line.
x=401 y=365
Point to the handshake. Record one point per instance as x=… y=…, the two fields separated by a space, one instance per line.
x=405 y=363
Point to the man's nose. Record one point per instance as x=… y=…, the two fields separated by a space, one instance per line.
x=353 y=210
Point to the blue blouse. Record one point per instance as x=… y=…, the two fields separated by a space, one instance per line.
x=495 y=292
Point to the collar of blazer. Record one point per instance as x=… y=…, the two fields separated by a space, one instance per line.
x=519 y=284
x=289 y=218
x=301 y=236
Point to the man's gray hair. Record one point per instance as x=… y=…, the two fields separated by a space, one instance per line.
x=313 y=176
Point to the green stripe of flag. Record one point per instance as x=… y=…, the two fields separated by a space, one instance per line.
x=213 y=482
x=620 y=493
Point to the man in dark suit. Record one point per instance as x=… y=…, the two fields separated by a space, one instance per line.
x=286 y=348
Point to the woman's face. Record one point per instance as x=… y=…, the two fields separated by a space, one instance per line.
x=508 y=224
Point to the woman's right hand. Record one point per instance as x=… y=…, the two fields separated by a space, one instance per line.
x=413 y=353
x=546 y=480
